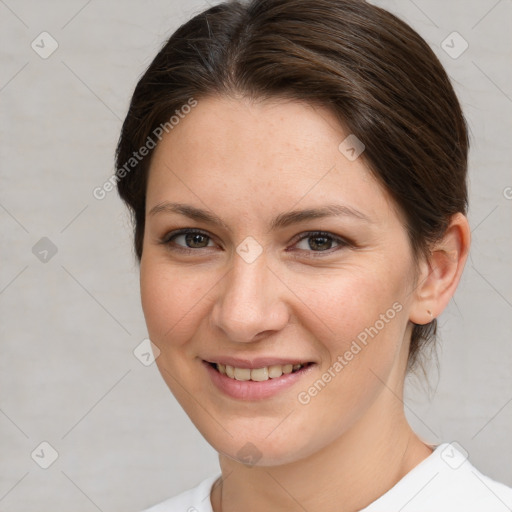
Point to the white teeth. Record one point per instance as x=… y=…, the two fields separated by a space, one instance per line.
x=257 y=374
x=242 y=373
x=287 y=368
x=275 y=371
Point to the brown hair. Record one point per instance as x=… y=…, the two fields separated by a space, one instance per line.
x=372 y=70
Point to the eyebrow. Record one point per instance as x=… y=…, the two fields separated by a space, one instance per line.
x=281 y=221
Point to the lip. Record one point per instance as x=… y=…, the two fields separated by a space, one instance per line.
x=252 y=390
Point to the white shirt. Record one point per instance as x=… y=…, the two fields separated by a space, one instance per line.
x=443 y=482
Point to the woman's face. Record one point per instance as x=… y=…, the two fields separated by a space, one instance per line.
x=261 y=283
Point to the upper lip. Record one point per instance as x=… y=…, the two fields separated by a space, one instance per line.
x=257 y=362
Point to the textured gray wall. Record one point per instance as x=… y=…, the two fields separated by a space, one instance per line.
x=71 y=320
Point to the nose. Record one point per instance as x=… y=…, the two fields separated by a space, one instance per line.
x=251 y=302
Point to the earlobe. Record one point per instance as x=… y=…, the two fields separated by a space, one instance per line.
x=440 y=275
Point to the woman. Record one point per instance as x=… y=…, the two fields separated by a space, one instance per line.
x=297 y=176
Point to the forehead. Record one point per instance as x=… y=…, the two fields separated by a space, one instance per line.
x=271 y=153
x=276 y=129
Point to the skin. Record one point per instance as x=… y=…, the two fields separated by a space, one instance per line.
x=247 y=162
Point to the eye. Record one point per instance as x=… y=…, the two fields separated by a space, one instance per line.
x=320 y=242
x=192 y=239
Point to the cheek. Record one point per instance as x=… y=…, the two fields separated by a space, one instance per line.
x=155 y=299
x=162 y=300
x=173 y=300
x=367 y=321
x=365 y=313
x=353 y=302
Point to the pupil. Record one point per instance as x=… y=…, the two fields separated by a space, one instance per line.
x=326 y=242
x=194 y=238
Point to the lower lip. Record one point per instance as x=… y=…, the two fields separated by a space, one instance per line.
x=254 y=390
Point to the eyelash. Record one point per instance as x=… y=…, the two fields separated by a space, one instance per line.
x=167 y=239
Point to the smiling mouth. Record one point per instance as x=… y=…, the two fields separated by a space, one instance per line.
x=258 y=374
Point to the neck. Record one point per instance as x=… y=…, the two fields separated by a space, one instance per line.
x=344 y=476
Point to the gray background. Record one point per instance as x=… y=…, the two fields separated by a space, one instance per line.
x=69 y=325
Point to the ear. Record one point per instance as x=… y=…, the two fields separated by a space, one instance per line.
x=440 y=274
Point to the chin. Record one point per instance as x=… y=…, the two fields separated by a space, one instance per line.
x=253 y=455
x=260 y=451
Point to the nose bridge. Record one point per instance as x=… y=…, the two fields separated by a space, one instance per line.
x=249 y=303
